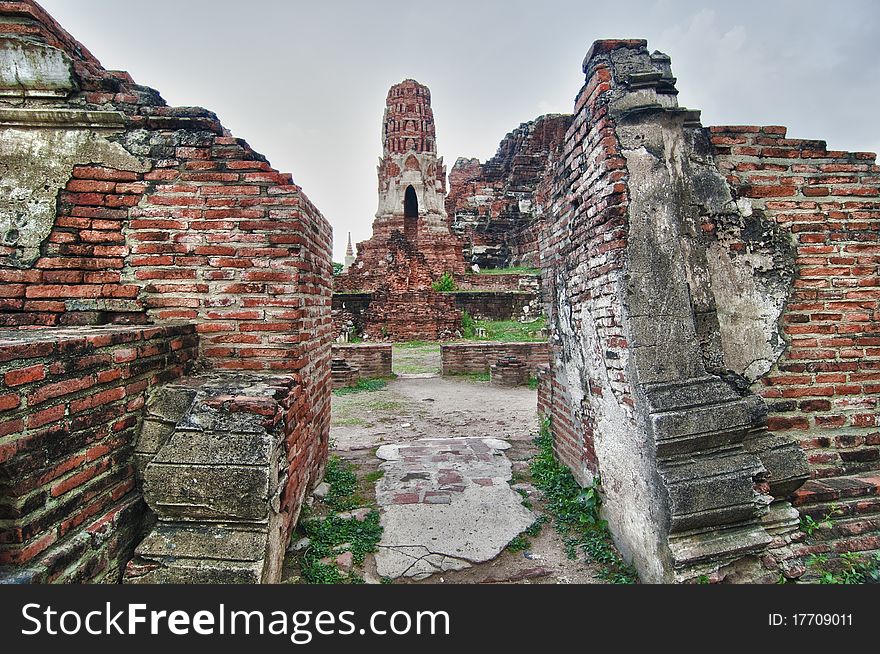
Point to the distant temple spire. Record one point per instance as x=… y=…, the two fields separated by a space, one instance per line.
x=349 y=255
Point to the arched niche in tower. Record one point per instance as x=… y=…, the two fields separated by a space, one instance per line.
x=410 y=212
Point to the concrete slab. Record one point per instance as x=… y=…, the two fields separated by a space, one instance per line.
x=445 y=505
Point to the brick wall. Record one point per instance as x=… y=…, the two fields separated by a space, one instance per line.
x=582 y=250
x=825 y=389
x=503 y=282
x=69 y=408
x=371 y=359
x=209 y=233
x=638 y=386
x=161 y=216
x=473 y=358
x=496 y=207
x=497 y=305
x=411 y=315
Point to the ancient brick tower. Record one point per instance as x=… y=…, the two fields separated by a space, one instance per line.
x=412 y=245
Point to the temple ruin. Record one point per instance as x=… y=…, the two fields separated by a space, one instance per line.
x=169 y=308
x=388 y=291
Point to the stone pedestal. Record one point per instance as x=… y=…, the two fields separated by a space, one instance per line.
x=343 y=373
x=213 y=462
x=509 y=371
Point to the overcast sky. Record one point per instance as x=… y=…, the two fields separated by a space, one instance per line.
x=305 y=82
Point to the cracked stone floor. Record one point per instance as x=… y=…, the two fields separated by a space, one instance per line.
x=446 y=505
x=453 y=489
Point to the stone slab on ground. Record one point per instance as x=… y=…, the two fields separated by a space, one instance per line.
x=446 y=505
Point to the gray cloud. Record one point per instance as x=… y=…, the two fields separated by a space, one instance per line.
x=305 y=82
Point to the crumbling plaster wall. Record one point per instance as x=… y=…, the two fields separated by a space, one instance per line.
x=638 y=378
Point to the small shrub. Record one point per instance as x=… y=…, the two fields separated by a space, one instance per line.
x=468 y=325
x=852 y=568
x=446 y=284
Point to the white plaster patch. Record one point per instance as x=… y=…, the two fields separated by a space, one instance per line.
x=35 y=164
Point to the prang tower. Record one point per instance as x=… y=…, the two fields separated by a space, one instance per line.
x=412 y=179
x=412 y=245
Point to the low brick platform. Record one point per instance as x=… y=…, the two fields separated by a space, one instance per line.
x=475 y=358
x=343 y=374
x=371 y=359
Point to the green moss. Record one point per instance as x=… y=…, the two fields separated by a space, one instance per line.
x=515 y=270
x=331 y=536
x=374 y=476
x=343 y=485
x=470 y=376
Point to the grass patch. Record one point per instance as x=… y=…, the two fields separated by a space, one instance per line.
x=331 y=536
x=575 y=511
x=327 y=535
x=416 y=357
x=363 y=386
x=373 y=477
x=535 y=528
x=533 y=383
x=518 y=544
x=343 y=485
x=510 y=331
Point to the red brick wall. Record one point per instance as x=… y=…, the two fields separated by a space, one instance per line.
x=411 y=315
x=484 y=201
x=70 y=400
x=825 y=389
x=210 y=234
x=497 y=305
x=79 y=280
x=371 y=359
x=471 y=358
x=582 y=249
x=505 y=282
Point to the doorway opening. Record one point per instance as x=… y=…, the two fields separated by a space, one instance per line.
x=410 y=212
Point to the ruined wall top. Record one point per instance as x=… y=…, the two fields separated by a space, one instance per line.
x=409 y=119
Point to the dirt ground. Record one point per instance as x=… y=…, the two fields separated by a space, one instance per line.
x=416 y=406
